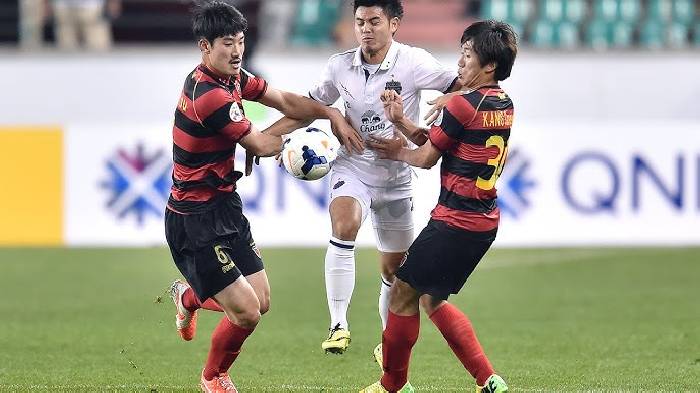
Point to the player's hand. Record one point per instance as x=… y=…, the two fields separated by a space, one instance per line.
x=393 y=105
x=388 y=147
x=438 y=104
x=347 y=135
x=249 y=158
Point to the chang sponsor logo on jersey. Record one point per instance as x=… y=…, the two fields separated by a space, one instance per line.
x=514 y=185
x=139 y=183
x=370 y=122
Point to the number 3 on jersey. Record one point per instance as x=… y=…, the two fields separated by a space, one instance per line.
x=497 y=162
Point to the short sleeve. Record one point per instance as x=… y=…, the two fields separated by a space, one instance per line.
x=448 y=130
x=252 y=87
x=430 y=74
x=219 y=111
x=325 y=91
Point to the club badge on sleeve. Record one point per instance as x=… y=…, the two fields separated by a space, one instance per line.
x=235 y=113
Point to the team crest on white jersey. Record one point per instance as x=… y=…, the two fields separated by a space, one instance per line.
x=235 y=113
x=394 y=85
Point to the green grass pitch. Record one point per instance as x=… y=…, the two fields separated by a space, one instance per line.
x=606 y=319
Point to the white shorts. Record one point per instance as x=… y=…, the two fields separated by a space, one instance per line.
x=391 y=208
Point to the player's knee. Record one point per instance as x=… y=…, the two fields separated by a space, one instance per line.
x=430 y=304
x=346 y=230
x=264 y=305
x=248 y=318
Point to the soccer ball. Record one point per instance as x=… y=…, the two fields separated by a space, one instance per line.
x=308 y=154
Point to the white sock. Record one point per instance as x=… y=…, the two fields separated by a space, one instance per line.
x=384 y=300
x=340 y=279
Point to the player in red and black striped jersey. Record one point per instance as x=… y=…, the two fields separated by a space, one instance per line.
x=471 y=136
x=208 y=235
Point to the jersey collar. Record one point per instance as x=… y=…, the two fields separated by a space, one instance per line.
x=224 y=81
x=389 y=59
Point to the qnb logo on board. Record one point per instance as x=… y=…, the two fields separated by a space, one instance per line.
x=139 y=182
x=514 y=184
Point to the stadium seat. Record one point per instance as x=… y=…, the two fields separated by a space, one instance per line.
x=696 y=36
x=598 y=34
x=621 y=34
x=630 y=10
x=575 y=11
x=651 y=34
x=496 y=9
x=606 y=10
x=677 y=35
x=542 y=34
x=552 y=10
x=660 y=10
x=683 y=11
x=520 y=11
x=315 y=22
x=567 y=35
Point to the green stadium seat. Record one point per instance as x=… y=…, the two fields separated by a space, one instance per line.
x=607 y=10
x=651 y=34
x=696 y=36
x=552 y=10
x=315 y=22
x=621 y=34
x=520 y=11
x=496 y=9
x=660 y=10
x=677 y=35
x=542 y=34
x=683 y=11
x=567 y=35
x=598 y=34
x=630 y=10
x=575 y=10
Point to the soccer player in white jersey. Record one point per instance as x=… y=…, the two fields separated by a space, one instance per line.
x=361 y=183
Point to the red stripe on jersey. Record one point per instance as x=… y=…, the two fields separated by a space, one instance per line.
x=200 y=194
x=473 y=153
x=254 y=89
x=185 y=173
x=212 y=100
x=439 y=139
x=465 y=187
x=236 y=131
x=460 y=108
x=470 y=221
x=199 y=145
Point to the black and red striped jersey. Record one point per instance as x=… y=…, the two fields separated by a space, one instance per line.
x=472 y=134
x=209 y=121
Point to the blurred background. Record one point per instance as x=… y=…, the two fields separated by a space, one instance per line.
x=596 y=263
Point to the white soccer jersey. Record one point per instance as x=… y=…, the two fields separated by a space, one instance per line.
x=407 y=70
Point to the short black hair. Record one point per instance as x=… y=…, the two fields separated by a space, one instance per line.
x=392 y=8
x=493 y=42
x=215 y=18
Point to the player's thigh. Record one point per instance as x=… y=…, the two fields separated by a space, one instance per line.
x=392 y=219
x=350 y=203
x=261 y=286
x=240 y=303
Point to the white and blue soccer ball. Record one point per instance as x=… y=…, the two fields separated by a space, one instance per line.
x=308 y=154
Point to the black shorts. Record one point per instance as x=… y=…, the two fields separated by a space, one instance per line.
x=214 y=248
x=442 y=257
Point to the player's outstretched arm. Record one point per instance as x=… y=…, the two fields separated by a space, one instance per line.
x=261 y=144
x=299 y=107
x=285 y=125
x=425 y=156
